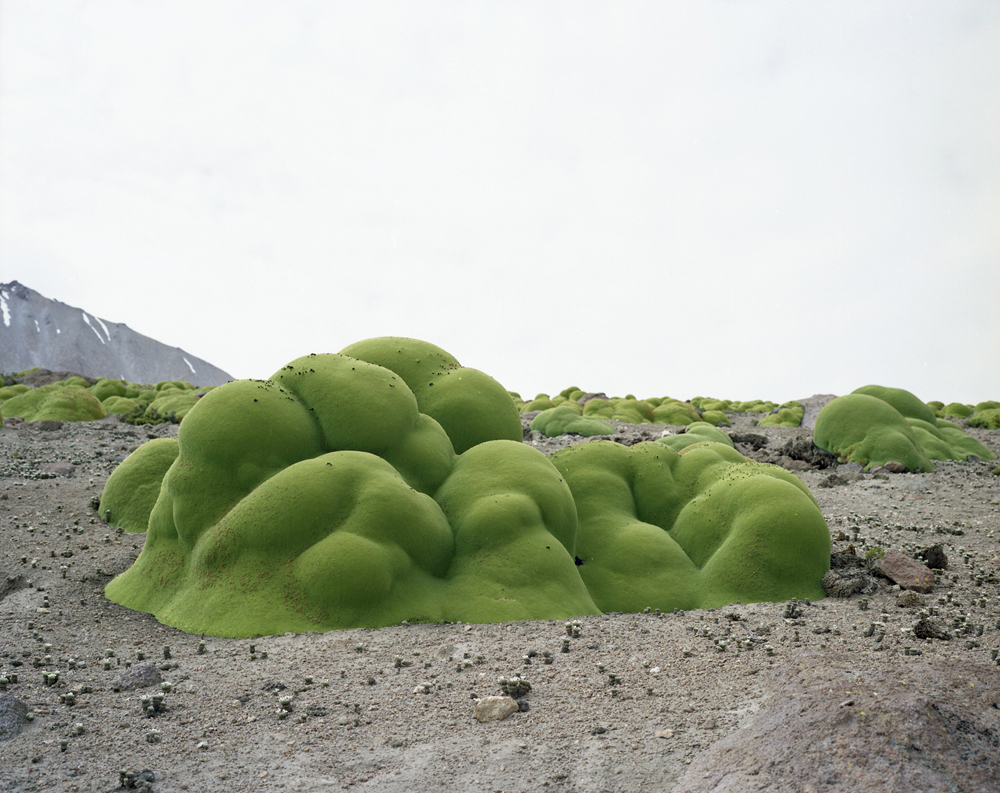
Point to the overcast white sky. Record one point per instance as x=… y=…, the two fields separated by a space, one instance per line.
x=736 y=199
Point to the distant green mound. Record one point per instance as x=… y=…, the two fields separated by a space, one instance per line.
x=875 y=424
x=56 y=402
x=565 y=421
x=168 y=401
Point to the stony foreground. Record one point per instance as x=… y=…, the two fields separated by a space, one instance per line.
x=833 y=695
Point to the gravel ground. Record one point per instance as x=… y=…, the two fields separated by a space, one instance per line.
x=641 y=702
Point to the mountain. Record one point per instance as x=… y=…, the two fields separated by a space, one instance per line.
x=37 y=331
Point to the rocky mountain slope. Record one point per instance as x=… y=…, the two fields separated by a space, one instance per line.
x=37 y=331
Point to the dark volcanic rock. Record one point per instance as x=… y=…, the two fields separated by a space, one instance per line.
x=926 y=628
x=37 y=331
x=846 y=581
x=934 y=557
x=751 y=439
x=808 y=452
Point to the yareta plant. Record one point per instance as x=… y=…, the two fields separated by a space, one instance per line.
x=875 y=425
x=389 y=483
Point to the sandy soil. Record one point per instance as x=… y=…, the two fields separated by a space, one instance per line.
x=835 y=704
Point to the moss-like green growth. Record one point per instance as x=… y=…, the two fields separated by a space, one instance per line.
x=695 y=530
x=715 y=417
x=956 y=410
x=323 y=498
x=470 y=405
x=872 y=430
x=173 y=403
x=135 y=486
x=788 y=415
x=103 y=389
x=599 y=408
x=563 y=420
x=905 y=402
x=987 y=419
x=327 y=497
x=988 y=405
x=675 y=413
x=119 y=405
x=540 y=402
x=753 y=406
x=698 y=432
x=11 y=391
x=632 y=411
x=56 y=402
x=864 y=429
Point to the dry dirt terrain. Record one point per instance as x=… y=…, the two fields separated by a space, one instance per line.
x=827 y=696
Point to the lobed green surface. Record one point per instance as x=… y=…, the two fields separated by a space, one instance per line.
x=876 y=424
x=389 y=483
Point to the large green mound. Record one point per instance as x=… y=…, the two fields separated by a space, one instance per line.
x=876 y=424
x=334 y=495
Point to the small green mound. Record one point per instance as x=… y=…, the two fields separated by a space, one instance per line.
x=56 y=402
x=675 y=413
x=11 y=391
x=956 y=410
x=540 y=402
x=632 y=411
x=986 y=419
x=103 y=389
x=699 y=432
x=599 y=408
x=135 y=486
x=119 y=405
x=715 y=417
x=788 y=415
x=564 y=420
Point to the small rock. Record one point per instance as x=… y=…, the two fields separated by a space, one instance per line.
x=47 y=425
x=850 y=468
x=894 y=467
x=13 y=716
x=934 y=557
x=664 y=734
x=494 y=708
x=833 y=480
x=138 y=676
x=708 y=724
x=907 y=572
x=59 y=469
x=844 y=582
x=930 y=629
x=909 y=599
